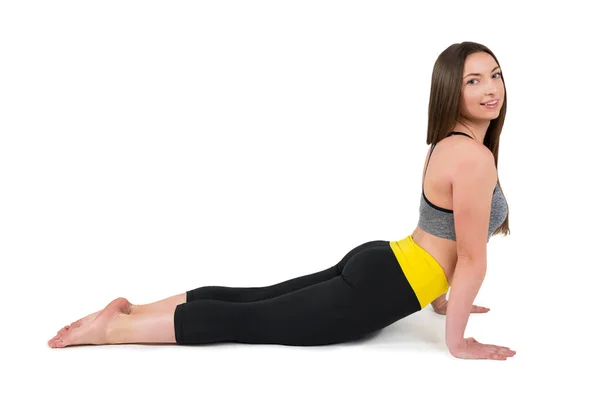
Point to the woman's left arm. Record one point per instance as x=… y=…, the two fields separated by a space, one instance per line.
x=440 y=306
x=439 y=302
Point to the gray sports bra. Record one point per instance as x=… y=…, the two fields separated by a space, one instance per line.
x=439 y=221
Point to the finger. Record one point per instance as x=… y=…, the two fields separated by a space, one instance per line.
x=503 y=351
x=507 y=352
x=484 y=354
x=493 y=349
x=490 y=348
x=479 y=309
x=490 y=352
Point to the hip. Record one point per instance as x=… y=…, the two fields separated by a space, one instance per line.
x=424 y=274
x=394 y=273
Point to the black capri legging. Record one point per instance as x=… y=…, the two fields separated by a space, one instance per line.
x=365 y=292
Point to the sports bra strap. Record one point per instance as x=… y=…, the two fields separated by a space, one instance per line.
x=460 y=133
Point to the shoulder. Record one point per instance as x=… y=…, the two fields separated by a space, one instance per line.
x=464 y=154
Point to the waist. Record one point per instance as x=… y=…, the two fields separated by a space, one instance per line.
x=424 y=274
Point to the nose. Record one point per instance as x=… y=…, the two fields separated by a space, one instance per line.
x=492 y=88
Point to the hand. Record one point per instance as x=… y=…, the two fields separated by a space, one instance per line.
x=471 y=349
x=442 y=306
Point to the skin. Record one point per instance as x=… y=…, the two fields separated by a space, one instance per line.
x=123 y=322
x=474 y=121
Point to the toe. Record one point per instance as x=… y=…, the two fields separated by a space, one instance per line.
x=66 y=327
x=64 y=341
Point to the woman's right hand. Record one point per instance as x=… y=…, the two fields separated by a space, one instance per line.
x=471 y=348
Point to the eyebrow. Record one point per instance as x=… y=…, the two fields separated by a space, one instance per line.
x=497 y=67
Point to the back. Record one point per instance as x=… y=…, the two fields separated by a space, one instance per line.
x=436 y=213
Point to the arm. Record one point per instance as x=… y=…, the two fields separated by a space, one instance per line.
x=472 y=187
x=440 y=306
x=439 y=302
x=468 y=278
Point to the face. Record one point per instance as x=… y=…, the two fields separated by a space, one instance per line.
x=483 y=86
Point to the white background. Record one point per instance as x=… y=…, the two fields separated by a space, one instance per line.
x=151 y=147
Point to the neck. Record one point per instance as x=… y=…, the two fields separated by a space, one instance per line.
x=476 y=130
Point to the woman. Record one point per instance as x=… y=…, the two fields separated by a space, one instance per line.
x=378 y=282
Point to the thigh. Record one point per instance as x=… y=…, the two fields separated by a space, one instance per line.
x=324 y=313
x=249 y=294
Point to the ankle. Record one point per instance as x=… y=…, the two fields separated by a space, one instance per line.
x=118 y=329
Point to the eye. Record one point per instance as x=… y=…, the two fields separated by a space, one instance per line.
x=497 y=73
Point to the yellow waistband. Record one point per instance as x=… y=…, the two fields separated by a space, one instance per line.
x=424 y=274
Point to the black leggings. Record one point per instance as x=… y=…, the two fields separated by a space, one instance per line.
x=365 y=292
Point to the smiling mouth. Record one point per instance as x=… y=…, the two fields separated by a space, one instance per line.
x=491 y=103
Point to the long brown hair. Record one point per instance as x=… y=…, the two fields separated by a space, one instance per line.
x=444 y=102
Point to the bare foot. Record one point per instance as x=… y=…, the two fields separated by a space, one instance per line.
x=77 y=323
x=86 y=320
x=91 y=329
